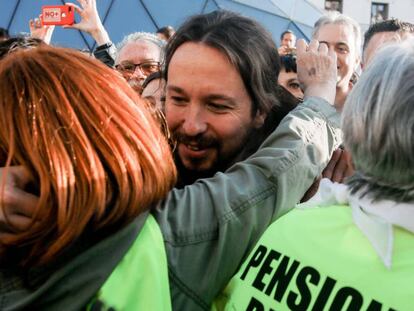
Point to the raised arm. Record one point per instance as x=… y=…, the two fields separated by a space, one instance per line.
x=90 y=21
x=39 y=31
x=92 y=24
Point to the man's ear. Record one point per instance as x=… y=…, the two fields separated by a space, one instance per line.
x=259 y=119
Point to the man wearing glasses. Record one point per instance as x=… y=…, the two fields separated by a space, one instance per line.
x=342 y=34
x=138 y=56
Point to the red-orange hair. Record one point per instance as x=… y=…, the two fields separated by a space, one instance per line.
x=96 y=153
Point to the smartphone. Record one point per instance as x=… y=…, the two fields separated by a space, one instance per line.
x=57 y=15
x=292 y=51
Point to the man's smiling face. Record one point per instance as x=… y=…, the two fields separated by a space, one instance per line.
x=208 y=109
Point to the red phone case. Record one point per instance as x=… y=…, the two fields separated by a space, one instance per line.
x=57 y=15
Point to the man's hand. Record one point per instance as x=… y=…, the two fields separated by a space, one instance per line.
x=41 y=32
x=90 y=21
x=317 y=69
x=16 y=205
x=339 y=167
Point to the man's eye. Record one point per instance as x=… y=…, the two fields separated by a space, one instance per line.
x=150 y=67
x=342 y=49
x=218 y=107
x=177 y=100
x=127 y=67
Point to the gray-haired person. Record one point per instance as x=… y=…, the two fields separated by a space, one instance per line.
x=342 y=34
x=139 y=55
x=351 y=246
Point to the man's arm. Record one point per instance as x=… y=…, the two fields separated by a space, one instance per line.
x=210 y=226
x=92 y=24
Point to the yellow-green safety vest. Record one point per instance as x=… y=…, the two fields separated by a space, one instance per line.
x=140 y=280
x=317 y=259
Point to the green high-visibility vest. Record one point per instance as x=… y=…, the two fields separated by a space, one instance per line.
x=317 y=259
x=140 y=281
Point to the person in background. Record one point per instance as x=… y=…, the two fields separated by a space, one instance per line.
x=165 y=33
x=382 y=33
x=342 y=34
x=288 y=77
x=139 y=55
x=287 y=43
x=153 y=90
x=352 y=246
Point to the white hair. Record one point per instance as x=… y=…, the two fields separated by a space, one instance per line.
x=140 y=36
x=378 y=125
x=337 y=18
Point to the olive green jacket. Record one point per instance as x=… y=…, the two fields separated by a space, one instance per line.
x=210 y=227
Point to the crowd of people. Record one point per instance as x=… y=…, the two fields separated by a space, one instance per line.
x=207 y=168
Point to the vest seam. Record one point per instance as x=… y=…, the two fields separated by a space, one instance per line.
x=186 y=290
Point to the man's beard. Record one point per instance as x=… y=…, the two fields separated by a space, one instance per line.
x=187 y=176
x=136 y=85
x=223 y=162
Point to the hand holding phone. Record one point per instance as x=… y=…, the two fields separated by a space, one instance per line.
x=39 y=31
x=90 y=21
x=58 y=15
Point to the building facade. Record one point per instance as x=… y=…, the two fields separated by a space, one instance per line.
x=369 y=11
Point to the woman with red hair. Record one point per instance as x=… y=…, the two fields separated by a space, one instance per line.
x=99 y=162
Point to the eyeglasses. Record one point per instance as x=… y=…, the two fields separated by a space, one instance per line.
x=145 y=67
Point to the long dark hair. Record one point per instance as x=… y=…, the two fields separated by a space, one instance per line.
x=248 y=46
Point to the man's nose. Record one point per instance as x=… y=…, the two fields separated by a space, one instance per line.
x=194 y=122
x=139 y=74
